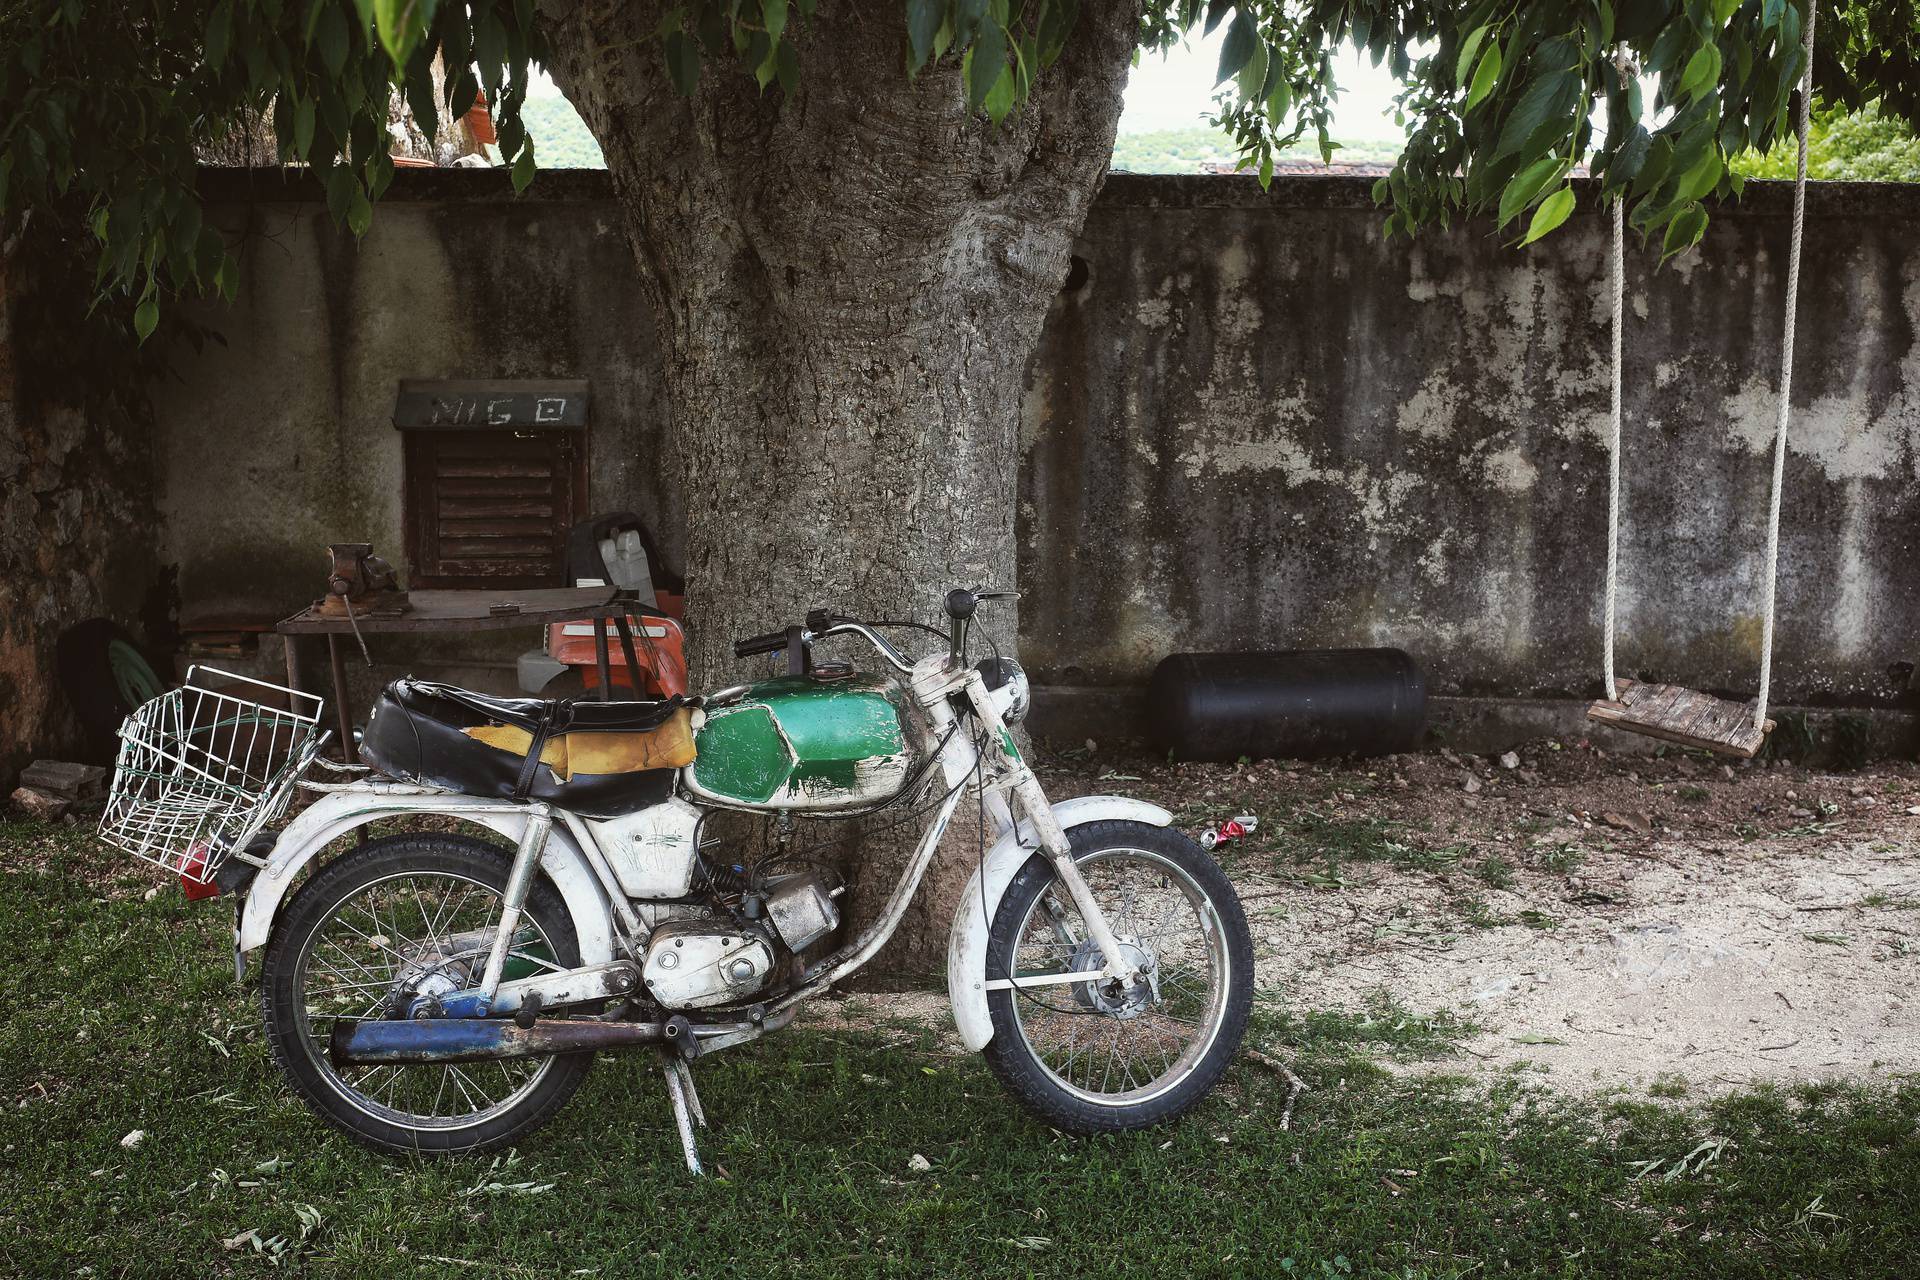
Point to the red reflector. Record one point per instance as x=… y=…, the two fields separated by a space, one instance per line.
x=196 y=865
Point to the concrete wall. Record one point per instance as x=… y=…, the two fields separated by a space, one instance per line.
x=1257 y=423
x=1253 y=423
x=277 y=436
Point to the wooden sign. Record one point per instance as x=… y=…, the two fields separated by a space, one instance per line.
x=510 y=404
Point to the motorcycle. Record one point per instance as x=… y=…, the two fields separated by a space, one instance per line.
x=439 y=991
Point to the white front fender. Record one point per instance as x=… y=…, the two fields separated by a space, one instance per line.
x=339 y=812
x=967 y=947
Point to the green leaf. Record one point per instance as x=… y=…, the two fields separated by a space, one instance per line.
x=302 y=127
x=340 y=188
x=1629 y=159
x=787 y=66
x=1702 y=73
x=1237 y=49
x=402 y=24
x=1552 y=212
x=1468 y=48
x=490 y=50
x=1550 y=100
x=1253 y=76
x=923 y=24
x=1684 y=231
x=523 y=168
x=333 y=38
x=1485 y=76
x=1280 y=103
x=773 y=15
x=219 y=33
x=759 y=56
x=146 y=316
x=359 y=208
x=1527 y=186
x=683 y=62
x=1701 y=179
x=986 y=62
x=420 y=97
x=999 y=99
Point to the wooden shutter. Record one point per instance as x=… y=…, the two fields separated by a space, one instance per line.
x=492 y=507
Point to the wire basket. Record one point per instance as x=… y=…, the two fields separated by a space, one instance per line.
x=201 y=769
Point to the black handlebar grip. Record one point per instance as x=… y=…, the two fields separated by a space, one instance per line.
x=961 y=604
x=772 y=642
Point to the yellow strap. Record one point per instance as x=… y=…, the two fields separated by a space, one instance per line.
x=668 y=747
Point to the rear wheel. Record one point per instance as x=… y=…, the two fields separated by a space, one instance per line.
x=402 y=918
x=1099 y=1056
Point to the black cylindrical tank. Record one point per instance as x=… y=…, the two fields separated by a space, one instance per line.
x=1291 y=702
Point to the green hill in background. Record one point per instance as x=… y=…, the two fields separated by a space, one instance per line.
x=1191 y=150
x=560 y=138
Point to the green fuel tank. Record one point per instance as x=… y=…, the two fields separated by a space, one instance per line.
x=803 y=744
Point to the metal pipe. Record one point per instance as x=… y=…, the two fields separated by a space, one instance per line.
x=427 y=1041
x=526 y=861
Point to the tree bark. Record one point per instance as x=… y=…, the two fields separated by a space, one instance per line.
x=849 y=282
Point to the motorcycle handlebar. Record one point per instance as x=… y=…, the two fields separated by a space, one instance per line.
x=772 y=642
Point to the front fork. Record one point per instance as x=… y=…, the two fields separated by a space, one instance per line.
x=1054 y=842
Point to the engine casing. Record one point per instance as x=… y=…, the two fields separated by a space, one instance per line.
x=694 y=963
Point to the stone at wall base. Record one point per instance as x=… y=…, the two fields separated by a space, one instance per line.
x=65 y=779
x=39 y=805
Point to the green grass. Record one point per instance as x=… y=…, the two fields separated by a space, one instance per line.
x=124 y=1016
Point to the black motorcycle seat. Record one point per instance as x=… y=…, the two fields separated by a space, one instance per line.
x=417 y=733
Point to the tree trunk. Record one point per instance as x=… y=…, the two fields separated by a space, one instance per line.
x=849 y=282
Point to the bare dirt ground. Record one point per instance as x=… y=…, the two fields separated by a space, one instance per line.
x=1600 y=921
x=1603 y=920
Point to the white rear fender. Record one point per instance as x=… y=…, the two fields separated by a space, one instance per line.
x=340 y=812
x=967 y=947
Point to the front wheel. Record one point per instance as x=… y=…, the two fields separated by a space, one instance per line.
x=1094 y=1056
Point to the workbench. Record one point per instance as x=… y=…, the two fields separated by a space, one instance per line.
x=457 y=612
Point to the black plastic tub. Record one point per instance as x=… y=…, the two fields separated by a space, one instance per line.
x=1296 y=703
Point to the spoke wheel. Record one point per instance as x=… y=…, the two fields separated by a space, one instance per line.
x=1101 y=1055
x=400 y=922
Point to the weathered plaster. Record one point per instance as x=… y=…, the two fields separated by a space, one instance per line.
x=1251 y=422
x=1404 y=443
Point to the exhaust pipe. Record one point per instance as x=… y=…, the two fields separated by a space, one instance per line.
x=427 y=1041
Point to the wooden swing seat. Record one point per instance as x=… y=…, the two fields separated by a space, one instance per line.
x=1685 y=716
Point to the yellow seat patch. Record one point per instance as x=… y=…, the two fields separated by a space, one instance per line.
x=668 y=747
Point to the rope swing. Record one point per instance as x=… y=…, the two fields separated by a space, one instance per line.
x=1667 y=711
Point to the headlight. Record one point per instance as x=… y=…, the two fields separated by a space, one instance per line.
x=1007 y=683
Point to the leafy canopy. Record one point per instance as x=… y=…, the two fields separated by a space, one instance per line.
x=103 y=103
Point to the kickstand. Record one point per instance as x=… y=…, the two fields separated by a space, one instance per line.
x=686 y=1105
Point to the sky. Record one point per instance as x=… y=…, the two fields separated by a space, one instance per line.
x=1175 y=91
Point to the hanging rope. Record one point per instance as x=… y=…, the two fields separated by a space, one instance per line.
x=1613 y=446
x=1625 y=67
x=1772 y=558
x=1786 y=380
